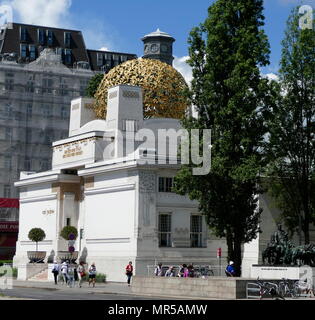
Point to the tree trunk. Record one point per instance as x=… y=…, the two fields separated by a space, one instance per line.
x=36 y=246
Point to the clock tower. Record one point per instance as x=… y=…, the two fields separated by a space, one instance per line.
x=158 y=45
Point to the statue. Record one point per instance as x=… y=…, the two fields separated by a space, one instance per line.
x=278 y=250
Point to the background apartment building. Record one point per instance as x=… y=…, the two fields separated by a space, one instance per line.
x=41 y=70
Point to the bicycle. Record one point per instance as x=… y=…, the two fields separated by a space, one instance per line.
x=288 y=287
x=269 y=289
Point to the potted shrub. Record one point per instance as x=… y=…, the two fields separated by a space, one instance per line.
x=69 y=233
x=36 y=235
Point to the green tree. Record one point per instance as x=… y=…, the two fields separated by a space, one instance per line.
x=93 y=84
x=67 y=230
x=36 y=235
x=292 y=130
x=230 y=95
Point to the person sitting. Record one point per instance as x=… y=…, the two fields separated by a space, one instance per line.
x=158 y=270
x=230 y=270
x=170 y=272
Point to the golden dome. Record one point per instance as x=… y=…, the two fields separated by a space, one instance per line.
x=162 y=88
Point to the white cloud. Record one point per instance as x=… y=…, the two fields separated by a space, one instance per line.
x=104 y=49
x=271 y=76
x=183 y=67
x=50 y=13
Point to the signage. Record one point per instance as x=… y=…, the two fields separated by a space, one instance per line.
x=219 y=253
x=9 y=226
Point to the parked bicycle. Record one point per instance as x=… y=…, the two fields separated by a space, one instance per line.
x=289 y=288
x=269 y=289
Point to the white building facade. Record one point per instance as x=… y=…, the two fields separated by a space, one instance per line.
x=115 y=193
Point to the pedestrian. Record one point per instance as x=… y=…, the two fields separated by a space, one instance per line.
x=191 y=271
x=55 y=271
x=64 y=272
x=81 y=273
x=180 y=271
x=71 y=276
x=158 y=271
x=129 y=272
x=76 y=276
x=170 y=272
x=92 y=274
x=230 y=269
x=186 y=271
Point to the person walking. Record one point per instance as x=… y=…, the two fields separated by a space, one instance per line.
x=55 y=271
x=64 y=272
x=129 y=272
x=71 y=276
x=92 y=274
x=81 y=273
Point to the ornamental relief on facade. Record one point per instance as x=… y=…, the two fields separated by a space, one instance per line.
x=147 y=182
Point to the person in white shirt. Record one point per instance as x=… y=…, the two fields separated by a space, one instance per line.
x=55 y=271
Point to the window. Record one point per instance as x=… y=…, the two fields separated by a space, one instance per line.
x=41 y=36
x=8 y=134
x=63 y=87
x=27 y=164
x=47 y=85
x=83 y=86
x=29 y=110
x=28 y=135
x=165 y=230
x=165 y=184
x=47 y=110
x=7 y=162
x=196 y=231
x=8 y=110
x=44 y=165
x=9 y=81
x=100 y=59
x=7 y=191
x=23 y=51
x=64 y=112
x=68 y=56
x=130 y=125
x=67 y=39
x=32 y=50
x=50 y=38
x=23 y=34
x=68 y=222
x=30 y=86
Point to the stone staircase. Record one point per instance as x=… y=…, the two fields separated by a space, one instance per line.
x=40 y=277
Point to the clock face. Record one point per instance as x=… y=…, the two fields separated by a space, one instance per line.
x=154 y=47
x=164 y=48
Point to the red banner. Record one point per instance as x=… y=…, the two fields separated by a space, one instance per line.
x=8 y=240
x=9 y=203
x=9 y=226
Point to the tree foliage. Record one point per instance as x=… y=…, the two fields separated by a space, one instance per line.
x=292 y=129
x=36 y=235
x=93 y=84
x=67 y=231
x=226 y=52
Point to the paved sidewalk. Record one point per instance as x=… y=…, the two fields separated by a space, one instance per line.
x=107 y=288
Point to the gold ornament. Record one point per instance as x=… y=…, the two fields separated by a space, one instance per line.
x=162 y=85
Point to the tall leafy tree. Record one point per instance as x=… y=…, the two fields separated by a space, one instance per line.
x=292 y=129
x=230 y=95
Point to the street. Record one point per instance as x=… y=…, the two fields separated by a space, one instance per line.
x=70 y=294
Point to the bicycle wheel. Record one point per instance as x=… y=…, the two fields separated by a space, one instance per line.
x=282 y=289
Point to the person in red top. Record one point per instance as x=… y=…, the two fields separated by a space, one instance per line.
x=129 y=271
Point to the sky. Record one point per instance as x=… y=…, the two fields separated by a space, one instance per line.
x=120 y=25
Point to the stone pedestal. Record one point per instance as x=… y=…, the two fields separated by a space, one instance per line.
x=280 y=272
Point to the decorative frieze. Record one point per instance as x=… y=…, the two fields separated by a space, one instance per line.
x=147 y=182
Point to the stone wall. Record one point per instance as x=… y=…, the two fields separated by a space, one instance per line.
x=210 y=288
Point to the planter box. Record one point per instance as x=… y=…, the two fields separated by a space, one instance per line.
x=67 y=256
x=36 y=256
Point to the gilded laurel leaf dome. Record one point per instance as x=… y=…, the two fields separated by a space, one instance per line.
x=162 y=85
